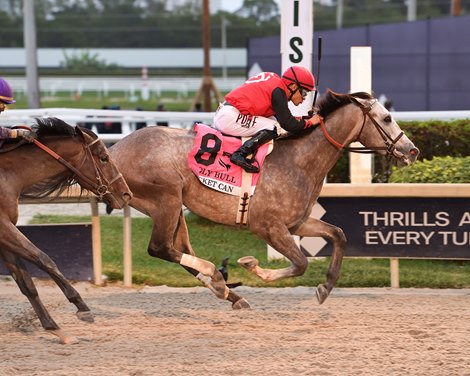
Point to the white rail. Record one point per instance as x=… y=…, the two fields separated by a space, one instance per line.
x=128 y=118
x=132 y=86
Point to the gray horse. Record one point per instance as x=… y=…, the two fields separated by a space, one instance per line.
x=154 y=163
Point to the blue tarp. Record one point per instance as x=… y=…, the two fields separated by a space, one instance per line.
x=421 y=65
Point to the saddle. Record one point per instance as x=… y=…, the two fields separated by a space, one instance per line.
x=210 y=162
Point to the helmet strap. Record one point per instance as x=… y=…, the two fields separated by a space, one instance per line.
x=292 y=92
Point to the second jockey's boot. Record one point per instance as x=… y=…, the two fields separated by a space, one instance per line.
x=239 y=157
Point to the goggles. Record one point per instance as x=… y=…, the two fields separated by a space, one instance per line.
x=303 y=92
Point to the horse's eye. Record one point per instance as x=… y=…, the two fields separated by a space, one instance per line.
x=104 y=158
x=388 y=119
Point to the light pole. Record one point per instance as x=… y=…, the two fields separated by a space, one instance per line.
x=411 y=10
x=339 y=14
x=224 y=23
x=29 y=32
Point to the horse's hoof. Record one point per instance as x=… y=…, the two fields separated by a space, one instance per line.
x=241 y=304
x=248 y=262
x=86 y=316
x=64 y=338
x=322 y=293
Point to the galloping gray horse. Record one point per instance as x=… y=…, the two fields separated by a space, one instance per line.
x=154 y=163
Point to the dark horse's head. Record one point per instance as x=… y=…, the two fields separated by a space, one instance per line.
x=87 y=163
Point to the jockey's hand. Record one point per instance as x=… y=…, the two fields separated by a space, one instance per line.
x=314 y=120
x=310 y=113
x=26 y=134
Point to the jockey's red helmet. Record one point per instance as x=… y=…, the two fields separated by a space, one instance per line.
x=299 y=75
x=6 y=94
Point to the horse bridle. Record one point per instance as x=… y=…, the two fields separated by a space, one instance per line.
x=389 y=142
x=101 y=186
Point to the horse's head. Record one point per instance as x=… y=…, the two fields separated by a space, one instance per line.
x=381 y=133
x=99 y=173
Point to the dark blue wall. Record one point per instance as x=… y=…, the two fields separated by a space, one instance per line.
x=420 y=66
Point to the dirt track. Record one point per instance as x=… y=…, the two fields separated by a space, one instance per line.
x=163 y=331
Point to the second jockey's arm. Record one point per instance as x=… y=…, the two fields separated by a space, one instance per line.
x=283 y=115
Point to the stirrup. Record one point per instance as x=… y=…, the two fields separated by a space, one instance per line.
x=243 y=163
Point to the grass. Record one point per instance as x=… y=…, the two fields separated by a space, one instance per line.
x=214 y=242
x=92 y=100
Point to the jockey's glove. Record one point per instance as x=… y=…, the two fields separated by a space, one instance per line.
x=26 y=134
x=311 y=122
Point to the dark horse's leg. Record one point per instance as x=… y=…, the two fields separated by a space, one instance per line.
x=16 y=243
x=182 y=243
x=24 y=281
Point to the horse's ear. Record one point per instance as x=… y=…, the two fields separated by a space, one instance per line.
x=360 y=101
x=82 y=131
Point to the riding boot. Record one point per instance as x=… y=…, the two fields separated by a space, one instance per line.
x=239 y=157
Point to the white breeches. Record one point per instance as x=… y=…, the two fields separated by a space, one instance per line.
x=230 y=121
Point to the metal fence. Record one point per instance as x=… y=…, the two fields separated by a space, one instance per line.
x=128 y=121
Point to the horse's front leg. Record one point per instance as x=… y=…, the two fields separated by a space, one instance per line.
x=316 y=228
x=20 y=246
x=278 y=236
x=24 y=281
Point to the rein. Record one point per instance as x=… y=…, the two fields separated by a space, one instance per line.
x=390 y=143
x=98 y=186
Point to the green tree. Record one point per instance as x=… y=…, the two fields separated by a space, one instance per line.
x=259 y=10
x=152 y=24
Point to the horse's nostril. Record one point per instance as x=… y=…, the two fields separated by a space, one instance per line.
x=127 y=196
x=414 y=151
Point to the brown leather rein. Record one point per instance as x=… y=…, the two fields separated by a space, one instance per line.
x=101 y=186
x=389 y=142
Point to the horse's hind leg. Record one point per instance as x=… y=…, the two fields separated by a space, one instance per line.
x=316 y=228
x=24 y=281
x=19 y=245
x=183 y=244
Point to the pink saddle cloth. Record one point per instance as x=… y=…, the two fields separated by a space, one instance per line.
x=210 y=161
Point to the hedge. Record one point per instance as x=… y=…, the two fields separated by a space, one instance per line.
x=433 y=138
x=439 y=170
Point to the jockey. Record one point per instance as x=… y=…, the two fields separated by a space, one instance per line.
x=259 y=108
x=6 y=98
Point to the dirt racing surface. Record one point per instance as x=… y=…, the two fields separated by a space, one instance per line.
x=170 y=331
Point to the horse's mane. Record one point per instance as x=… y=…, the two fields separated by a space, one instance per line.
x=55 y=185
x=52 y=126
x=327 y=104
x=331 y=101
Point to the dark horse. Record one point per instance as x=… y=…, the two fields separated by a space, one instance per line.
x=154 y=164
x=62 y=156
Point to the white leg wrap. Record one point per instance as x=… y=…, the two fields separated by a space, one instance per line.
x=204 y=279
x=208 y=282
x=202 y=266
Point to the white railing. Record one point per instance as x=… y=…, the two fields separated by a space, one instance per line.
x=129 y=119
x=131 y=86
